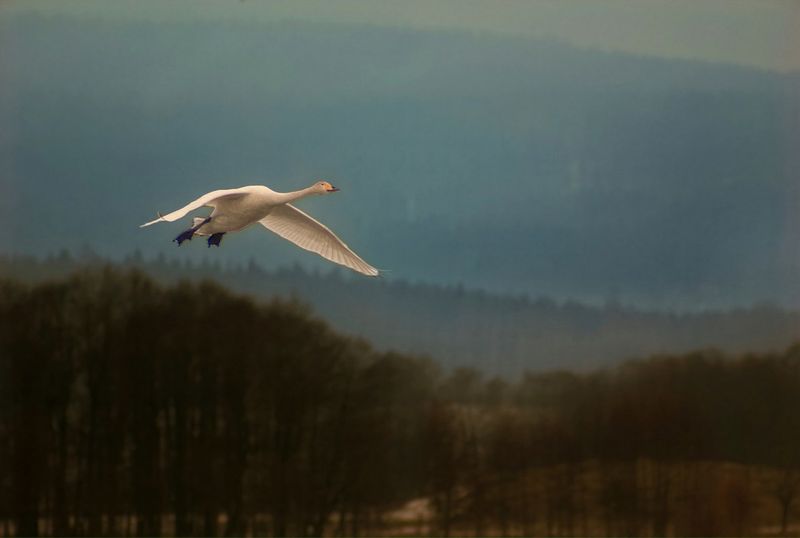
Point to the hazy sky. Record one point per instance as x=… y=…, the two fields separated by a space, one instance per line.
x=666 y=182
x=754 y=33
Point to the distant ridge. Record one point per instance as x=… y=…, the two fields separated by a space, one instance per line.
x=502 y=335
x=507 y=164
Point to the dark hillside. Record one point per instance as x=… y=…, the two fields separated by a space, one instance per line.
x=498 y=334
x=512 y=165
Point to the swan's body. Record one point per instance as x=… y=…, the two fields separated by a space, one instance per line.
x=236 y=209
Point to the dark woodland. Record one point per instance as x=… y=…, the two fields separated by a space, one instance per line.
x=128 y=407
x=503 y=335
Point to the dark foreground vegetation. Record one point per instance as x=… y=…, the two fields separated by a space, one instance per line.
x=127 y=408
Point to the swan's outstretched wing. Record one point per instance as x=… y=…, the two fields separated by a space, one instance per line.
x=209 y=199
x=292 y=224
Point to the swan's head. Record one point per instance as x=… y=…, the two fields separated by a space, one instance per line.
x=323 y=187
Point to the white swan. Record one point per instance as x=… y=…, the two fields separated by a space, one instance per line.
x=236 y=209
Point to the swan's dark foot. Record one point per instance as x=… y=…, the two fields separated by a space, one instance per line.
x=187 y=235
x=215 y=239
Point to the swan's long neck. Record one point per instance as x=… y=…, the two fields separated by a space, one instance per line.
x=286 y=197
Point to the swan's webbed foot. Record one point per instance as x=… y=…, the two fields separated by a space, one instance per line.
x=215 y=239
x=187 y=235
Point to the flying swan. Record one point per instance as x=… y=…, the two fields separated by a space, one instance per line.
x=236 y=209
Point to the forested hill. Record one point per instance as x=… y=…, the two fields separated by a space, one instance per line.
x=501 y=335
x=508 y=164
x=133 y=409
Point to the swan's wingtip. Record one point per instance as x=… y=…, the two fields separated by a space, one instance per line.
x=159 y=219
x=370 y=272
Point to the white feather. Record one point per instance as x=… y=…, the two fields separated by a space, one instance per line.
x=306 y=232
x=210 y=199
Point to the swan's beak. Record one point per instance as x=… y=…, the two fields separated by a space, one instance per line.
x=332 y=189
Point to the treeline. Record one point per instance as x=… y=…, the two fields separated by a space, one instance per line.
x=129 y=408
x=500 y=335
